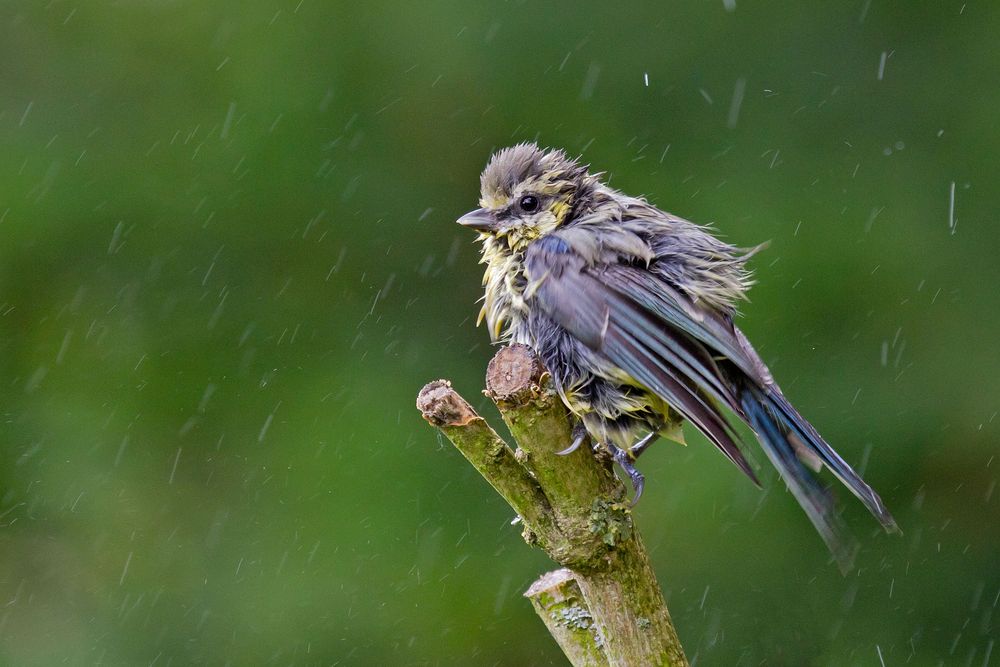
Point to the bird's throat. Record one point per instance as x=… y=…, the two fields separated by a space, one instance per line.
x=504 y=282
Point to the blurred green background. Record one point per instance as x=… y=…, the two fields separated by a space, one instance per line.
x=228 y=262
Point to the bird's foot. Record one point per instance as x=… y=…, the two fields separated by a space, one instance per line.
x=625 y=459
x=579 y=435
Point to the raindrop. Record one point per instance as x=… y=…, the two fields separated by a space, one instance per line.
x=125 y=569
x=737 y=101
x=590 y=81
x=952 y=222
x=27 y=110
x=173 y=471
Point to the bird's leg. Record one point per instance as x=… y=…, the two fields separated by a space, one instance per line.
x=636 y=450
x=579 y=435
x=625 y=459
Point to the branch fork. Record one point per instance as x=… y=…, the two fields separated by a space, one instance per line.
x=604 y=606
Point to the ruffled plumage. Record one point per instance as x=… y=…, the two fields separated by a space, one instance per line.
x=631 y=310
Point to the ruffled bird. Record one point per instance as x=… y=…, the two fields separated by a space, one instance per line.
x=631 y=310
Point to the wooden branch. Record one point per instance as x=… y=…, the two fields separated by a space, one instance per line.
x=494 y=460
x=559 y=602
x=573 y=507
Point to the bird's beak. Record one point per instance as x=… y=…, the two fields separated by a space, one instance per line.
x=481 y=220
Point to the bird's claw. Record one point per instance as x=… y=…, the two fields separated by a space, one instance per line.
x=579 y=435
x=625 y=459
x=573 y=446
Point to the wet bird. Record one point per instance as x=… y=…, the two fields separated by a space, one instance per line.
x=631 y=310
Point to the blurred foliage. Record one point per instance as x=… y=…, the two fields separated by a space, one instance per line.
x=228 y=262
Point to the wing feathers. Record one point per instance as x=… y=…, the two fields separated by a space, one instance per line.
x=657 y=376
x=675 y=309
x=692 y=357
x=674 y=367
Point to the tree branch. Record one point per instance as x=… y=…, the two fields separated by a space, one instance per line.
x=573 y=507
x=560 y=604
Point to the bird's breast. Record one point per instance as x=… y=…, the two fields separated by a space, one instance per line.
x=505 y=309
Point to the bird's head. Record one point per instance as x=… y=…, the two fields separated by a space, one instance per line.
x=526 y=192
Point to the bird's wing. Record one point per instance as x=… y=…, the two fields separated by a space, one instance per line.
x=675 y=348
x=706 y=325
x=599 y=311
x=756 y=385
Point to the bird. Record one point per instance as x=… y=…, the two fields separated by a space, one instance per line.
x=631 y=309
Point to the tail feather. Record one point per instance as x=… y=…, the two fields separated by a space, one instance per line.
x=781 y=430
x=797 y=425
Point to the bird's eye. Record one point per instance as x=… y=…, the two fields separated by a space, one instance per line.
x=528 y=203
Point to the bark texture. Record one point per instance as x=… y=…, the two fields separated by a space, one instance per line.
x=604 y=607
